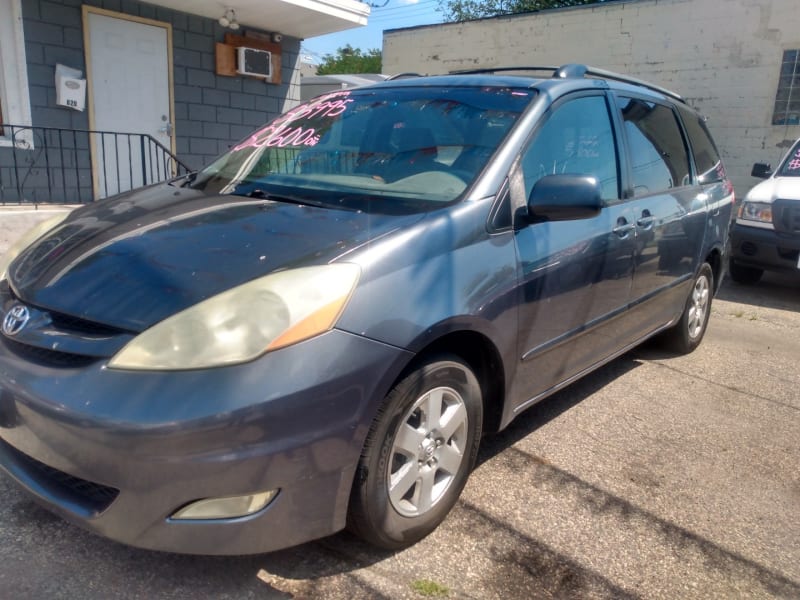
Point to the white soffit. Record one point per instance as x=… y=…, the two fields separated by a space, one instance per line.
x=296 y=18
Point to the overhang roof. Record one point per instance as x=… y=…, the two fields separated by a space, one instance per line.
x=296 y=18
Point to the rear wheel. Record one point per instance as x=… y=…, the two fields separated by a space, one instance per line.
x=744 y=275
x=418 y=454
x=687 y=334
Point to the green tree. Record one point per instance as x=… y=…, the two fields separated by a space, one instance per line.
x=465 y=10
x=351 y=60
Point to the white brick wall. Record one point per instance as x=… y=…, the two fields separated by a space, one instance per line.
x=723 y=56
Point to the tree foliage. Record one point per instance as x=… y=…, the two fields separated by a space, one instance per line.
x=465 y=10
x=350 y=60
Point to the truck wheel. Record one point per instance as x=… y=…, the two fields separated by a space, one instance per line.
x=418 y=455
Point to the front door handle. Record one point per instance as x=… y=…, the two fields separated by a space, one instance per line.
x=646 y=220
x=623 y=228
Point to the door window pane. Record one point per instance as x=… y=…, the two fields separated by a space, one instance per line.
x=576 y=139
x=659 y=160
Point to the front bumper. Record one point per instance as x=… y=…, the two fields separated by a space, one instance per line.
x=118 y=452
x=764 y=248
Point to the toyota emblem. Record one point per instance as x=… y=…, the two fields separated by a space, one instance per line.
x=16 y=319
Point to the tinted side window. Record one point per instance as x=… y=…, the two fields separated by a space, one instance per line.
x=659 y=160
x=577 y=139
x=706 y=156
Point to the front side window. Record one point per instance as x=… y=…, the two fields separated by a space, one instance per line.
x=791 y=164
x=576 y=139
x=385 y=148
x=659 y=161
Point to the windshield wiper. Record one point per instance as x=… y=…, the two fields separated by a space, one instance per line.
x=259 y=193
x=187 y=179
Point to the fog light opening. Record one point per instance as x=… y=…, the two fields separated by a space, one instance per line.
x=229 y=507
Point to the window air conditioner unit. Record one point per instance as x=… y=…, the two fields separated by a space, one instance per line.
x=256 y=63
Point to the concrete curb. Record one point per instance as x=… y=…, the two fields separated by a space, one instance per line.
x=16 y=220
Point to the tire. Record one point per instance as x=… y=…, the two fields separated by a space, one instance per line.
x=412 y=471
x=744 y=275
x=685 y=336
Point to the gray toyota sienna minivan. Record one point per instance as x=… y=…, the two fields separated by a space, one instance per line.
x=314 y=331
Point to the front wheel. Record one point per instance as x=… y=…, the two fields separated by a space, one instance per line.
x=688 y=332
x=418 y=455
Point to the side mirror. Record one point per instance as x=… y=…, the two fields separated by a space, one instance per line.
x=761 y=170
x=564 y=198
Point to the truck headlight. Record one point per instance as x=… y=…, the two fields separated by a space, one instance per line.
x=756 y=211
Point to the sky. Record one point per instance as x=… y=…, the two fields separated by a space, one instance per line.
x=396 y=14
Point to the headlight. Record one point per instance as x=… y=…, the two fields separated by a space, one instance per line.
x=27 y=239
x=756 y=211
x=245 y=322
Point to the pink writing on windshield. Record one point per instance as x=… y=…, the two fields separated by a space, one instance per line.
x=794 y=164
x=279 y=133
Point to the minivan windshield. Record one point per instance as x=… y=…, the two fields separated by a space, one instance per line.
x=383 y=149
x=791 y=165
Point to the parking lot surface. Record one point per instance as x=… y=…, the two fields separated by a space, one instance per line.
x=654 y=477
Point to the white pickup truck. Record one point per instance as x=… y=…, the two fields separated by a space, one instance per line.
x=766 y=233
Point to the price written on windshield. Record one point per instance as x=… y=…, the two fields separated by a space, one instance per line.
x=282 y=132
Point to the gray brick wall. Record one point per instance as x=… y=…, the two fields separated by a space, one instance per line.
x=211 y=112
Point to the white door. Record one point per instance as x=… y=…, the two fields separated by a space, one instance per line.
x=128 y=64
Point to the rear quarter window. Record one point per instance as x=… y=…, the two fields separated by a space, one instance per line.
x=706 y=157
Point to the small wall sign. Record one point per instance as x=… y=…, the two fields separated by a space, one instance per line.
x=70 y=88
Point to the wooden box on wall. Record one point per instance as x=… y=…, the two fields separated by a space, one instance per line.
x=226 y=54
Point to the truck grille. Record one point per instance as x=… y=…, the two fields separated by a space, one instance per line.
x=786 y=216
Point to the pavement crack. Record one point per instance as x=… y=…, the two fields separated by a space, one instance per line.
x=730 y=388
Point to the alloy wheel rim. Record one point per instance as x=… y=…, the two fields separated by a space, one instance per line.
x=428 y=451
x=698 y=309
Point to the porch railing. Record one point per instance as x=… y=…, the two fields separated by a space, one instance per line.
x=75 y=166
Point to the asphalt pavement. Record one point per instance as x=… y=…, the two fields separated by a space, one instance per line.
x=655 y=477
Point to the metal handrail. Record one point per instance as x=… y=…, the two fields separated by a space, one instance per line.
x=75 y=166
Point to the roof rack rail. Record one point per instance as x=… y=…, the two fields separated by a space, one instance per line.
x=572 y=70
x=501 y=70
x=602 y=73
x=403 y=76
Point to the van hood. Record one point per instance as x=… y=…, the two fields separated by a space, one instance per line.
x=137 y=259
x=785 y=188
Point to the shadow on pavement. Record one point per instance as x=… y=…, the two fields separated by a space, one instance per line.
x=548 y=409
x=775 y=290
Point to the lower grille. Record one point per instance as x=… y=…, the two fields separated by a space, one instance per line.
x=749 y=249
x=789 y=254
x=93 y=496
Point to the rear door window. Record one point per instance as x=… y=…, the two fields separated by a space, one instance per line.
x=658 y=156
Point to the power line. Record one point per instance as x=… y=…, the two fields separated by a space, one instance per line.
x=381 y=11
x=406 y=15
